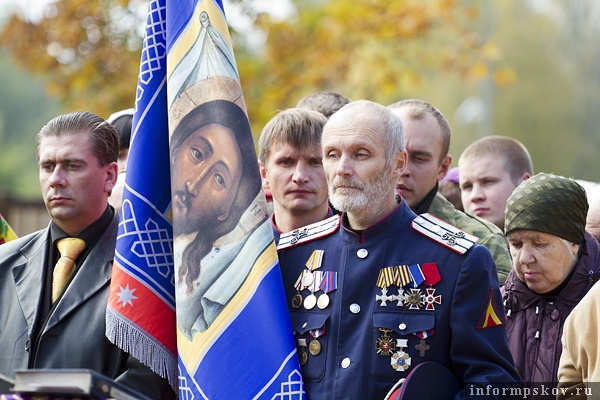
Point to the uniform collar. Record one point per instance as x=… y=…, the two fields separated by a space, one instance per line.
x=382 y=229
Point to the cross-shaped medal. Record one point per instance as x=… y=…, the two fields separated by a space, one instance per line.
x=430 y=299
x=384 y=298
x=422 y=347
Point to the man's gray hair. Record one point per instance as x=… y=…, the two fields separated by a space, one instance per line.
x=394 y=132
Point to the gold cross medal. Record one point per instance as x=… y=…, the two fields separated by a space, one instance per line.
x=385 y=345
x=400 y=360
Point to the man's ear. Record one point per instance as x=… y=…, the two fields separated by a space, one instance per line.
x=401 y=163
x=524 y=177
x=262 y=169
x=112 y=172
x=444 y=167
x=263 y=175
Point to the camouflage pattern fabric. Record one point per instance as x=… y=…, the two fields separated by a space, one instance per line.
x=489 y=234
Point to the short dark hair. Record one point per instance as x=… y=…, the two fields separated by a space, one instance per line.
x=326 y=103
x=103 y=136
x=122 y=121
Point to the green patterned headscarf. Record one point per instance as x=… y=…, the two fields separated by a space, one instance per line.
x=548 y=203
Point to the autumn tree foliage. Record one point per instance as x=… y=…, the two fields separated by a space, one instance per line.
x=372 y=49
x=89 y=51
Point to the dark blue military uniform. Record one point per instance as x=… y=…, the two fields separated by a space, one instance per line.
x=374 y=330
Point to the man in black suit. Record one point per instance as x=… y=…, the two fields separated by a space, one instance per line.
x=53 y=316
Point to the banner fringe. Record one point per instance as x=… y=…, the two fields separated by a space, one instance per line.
x=140 y=345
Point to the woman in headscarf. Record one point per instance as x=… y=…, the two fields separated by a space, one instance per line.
x=555 y=263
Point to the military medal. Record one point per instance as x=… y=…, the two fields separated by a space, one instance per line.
x=328 y=284
x=430 y=299
x=307 y=278
x=312 y=279
x=310 y=301
x=401 y=297
x=415 y=299
x=297 y=300
x=386 y=278
x=422 y=347
x=323 y=301
x=384 y=298
x=302 y=356
x=385 y=345
x=400 y=360
x=314 y=347
x=432 y=276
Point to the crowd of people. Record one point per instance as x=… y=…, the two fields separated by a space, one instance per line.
x=398 y=270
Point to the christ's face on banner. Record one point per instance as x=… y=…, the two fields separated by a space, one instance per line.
x=206 y=173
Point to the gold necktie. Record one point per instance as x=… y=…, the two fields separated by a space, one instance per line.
x=70 y=249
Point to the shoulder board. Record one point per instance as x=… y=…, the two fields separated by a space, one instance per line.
x=309 y=232
x=444 y=233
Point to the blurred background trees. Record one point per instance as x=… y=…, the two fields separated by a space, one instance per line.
x=521 y=68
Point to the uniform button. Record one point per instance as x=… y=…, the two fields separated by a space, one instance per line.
x=304 y=325
x=402 y=326
x=362 y=253
x=354 y=308
x=345 y=362
x=27 y=344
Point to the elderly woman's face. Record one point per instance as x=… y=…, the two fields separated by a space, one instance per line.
x=205 y=177
x=542 y=261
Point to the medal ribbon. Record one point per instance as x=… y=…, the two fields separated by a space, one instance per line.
x=387 y=277
x=298 y=284
x=423 y=334
x=315 y=259
x=403 y=276
x=432 y=274
x=316 y=284
x=329 y=282
x=416 y=274
x=317 y=332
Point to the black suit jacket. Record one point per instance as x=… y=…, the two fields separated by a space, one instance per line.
x=74 y=333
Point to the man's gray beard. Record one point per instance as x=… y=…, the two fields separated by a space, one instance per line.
x=367 y=200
